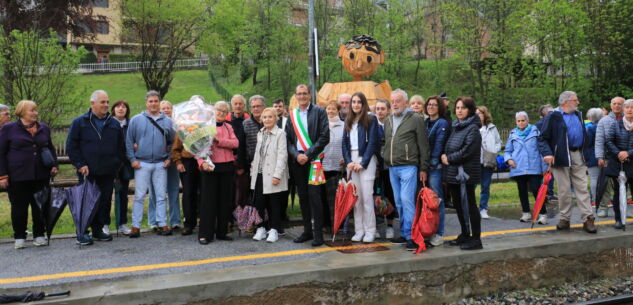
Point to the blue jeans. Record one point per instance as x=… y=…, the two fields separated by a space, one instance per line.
x=173 y=190
x=486 y=180
x=150 y=174
x=404 y=181
x=435 y=183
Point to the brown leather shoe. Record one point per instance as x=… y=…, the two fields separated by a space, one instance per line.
x=589 y=225
x=135 y=232
x=164 y=231
x=563 y=225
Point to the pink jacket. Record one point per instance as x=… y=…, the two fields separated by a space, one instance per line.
x=223 y=144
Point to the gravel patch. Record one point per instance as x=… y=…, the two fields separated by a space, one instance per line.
x=563 y=294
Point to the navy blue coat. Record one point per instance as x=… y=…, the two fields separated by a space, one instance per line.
x=589 y=151
x=619 y=139
x=368 y=142
x=20 y=152
x=553 y=138
x=103 y=151
x=439 y=130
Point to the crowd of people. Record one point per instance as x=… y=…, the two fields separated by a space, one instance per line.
x=398 y=146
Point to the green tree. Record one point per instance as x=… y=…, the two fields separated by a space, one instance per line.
x=164 y=30
x=38 y=68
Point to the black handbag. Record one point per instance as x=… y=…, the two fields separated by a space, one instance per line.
x=47 y=157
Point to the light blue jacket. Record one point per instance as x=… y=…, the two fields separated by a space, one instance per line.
x=152 y=144
x=525 y=154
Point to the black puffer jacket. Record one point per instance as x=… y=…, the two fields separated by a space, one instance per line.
x=463 y=147
x=619 y=139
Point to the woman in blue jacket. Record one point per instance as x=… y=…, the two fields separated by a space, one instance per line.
x=438 y=130
x=526 y=163
x=360 y=144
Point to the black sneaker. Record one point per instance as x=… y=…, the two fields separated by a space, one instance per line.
x=164 y=231
x=459 y=240
x=472 y=244
x=411 y=245
x=101 y=236
x=84 y=240
x=399 y=240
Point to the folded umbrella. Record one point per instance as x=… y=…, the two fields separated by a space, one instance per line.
x=346 y=197
x=623 y=203
x=601 y=186
x=29 y=296
x=83 y=201
x=246 y=217
x=51 y=201
x=540 y=196
x=462 y=177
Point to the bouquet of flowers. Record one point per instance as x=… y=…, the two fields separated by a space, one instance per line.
x=194 y=121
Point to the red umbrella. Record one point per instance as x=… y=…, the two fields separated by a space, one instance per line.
x=346 y=197
x=540 y=197
x=427 y=217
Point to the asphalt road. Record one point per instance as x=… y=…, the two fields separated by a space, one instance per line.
x=63 y=256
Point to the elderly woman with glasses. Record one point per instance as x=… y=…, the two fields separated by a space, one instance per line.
x=5 y=114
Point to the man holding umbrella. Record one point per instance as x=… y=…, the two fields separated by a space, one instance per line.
x=561 y=144
x=95 y=147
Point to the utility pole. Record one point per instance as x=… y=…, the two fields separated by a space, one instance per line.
x=311 y=57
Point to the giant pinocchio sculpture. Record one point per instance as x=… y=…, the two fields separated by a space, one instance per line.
x=360 y=57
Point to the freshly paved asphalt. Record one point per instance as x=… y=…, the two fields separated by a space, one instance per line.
x=63 y=256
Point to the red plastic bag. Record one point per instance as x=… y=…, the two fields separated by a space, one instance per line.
x=427 y=217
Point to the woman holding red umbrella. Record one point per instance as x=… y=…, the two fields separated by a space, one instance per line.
x=526 y=163
x=360 y=144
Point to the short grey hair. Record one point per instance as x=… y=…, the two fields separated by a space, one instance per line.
x=522 y=113
x=152 y=93
x=401 y=92
x=221 y=104
x=4 y=108
x=95 y=95
x=545 y=109
x=595 y=114
x=256 y=97
x=628 y=102
x=563 y=97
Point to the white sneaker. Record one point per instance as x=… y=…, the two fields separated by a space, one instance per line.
x=484 y=214
x=106 y=229
x=20 y=244
x=39 y=241
x=260 y=234
x=124 y=229
x=368 y=238
x=542 y=219
x=437 y=240
x=603 y=212
x=357 y=237
x=526 y=217
x=389 y=233
x=272 y=236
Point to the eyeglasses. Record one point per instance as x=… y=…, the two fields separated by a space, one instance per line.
x=222 y=111
x=257 y=106
x=5 y=113
x=302 y=93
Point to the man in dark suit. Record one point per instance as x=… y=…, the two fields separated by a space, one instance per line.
x=307 y=133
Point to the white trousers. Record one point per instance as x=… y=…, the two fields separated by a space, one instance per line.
x=364 y=215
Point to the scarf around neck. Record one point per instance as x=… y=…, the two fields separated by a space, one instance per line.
x=627 y=125
x=525 y=132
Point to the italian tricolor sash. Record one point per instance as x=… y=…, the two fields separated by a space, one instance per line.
x=316 y=177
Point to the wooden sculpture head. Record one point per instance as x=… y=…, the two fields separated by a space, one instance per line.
x=361 y=56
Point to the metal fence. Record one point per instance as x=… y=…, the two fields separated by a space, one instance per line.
x=136 y=65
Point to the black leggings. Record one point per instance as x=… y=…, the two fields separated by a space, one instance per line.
x=533 y=182
x=473 y=210
x=21 y=197
x=268 y=204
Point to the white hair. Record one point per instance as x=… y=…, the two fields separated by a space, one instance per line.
x=595 y=114
x=221 y=104
x=628 y=102
x=402 y=93
x=346 y=95
x=565 y=97
x=240 y=97
x=95 y=95
x=522 y=113
x=4 y=107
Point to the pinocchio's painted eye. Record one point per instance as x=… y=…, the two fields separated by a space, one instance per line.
x=369 y=59
x=351 y=55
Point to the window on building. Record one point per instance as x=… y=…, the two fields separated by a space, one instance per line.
x=100 y=3
x=103 y=27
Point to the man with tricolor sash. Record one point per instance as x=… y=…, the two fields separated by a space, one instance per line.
x=308 y=133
